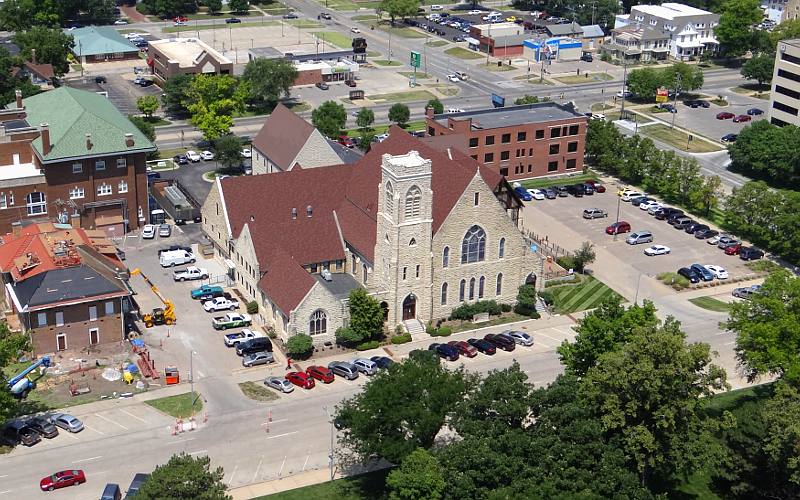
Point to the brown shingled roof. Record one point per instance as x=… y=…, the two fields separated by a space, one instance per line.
x=282 y=136
x=286 y=282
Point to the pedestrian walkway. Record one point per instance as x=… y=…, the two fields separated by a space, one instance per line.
x=299 y=480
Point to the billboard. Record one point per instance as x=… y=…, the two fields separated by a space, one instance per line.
x=662 y=95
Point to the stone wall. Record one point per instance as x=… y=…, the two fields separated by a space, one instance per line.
x=336 y=312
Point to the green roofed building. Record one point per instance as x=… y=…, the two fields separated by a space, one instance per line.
x=101 y=43
x=74 y=158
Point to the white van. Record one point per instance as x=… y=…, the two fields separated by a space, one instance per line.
x=175 y=258
x=436 y=7
x=493 y=17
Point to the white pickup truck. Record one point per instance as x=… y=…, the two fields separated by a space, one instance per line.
x=220 y=304
x=190 y=273
x=231 y=339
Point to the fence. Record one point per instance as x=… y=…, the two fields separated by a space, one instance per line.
x=546 y=247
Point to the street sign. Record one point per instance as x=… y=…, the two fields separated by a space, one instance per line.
x=415 y=59
x=662 y=95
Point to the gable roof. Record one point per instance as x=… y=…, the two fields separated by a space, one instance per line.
x=593 y=31
x=286 y=283
x=282 y=136
x=60 y=286
x=71 y=114
x=95 y=40
x=44 y=71
x=564 y=29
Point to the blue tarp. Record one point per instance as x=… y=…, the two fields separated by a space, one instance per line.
x=132 y=368
x=138 y=342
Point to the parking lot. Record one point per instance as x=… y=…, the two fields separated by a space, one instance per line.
x=561 y=220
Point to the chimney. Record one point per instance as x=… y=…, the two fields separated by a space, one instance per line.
x=18 y=95
x=45 y=133
x=33 y=56
x=129 y=140
x=89 y=141
x=429 y=111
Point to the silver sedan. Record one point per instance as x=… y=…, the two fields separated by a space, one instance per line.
x=279 y=384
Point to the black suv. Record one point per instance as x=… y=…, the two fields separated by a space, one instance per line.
x=750 y=253
x=43 y=426
x=689 y=274
x=257 y=344
x=665 y=212
x=501 y=341
x=19 y=432
x=576 y=190
x=704 y=234
x=674 y=216
x=445 y=351
x=694 y=227
x=696 y=103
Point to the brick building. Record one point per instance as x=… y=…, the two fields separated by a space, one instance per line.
x=186 y=56
x=519 y=142
x=424 y=230
x=499 y=39
x=65 y=285
x=70 y=155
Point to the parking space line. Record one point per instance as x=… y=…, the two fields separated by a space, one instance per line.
x=197 y=452
x=305 y=464
x=109 y=420
x=91 y=429
x=4 y=492
x=282 y=464
x=282 y=435
x=87 y=459
x=133 y=416
x=551 y=338
x=183 y=440
x=235 y=468
x=255 y=476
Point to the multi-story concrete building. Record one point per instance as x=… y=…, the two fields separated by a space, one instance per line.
x=784 y=100
x=65 y=285
x=423 y=230
x=656 y=32
x=519 y=142
x=70 y=155
x=182 y=56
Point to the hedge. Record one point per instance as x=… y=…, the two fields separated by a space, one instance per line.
x=252 y=307
x=401 y=339
x=366 y=346
x=465 y=312
x=442 y=331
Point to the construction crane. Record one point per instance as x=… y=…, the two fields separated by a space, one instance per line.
x=159 y=316
x=20 y=385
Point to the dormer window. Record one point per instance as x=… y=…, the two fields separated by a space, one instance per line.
x=309 y=211
x=294 y=213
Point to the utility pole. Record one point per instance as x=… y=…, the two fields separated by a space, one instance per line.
x=675 y=100
x=624 y=86
x=488 y=37
x=616 y=224
x=330 y=450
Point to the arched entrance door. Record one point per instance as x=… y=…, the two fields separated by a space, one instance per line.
x=385 y=309
x=531 y=279
x=410 y=307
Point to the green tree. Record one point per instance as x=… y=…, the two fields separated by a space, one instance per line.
x=419 y=477
x=228 y=149
x=691 y=76
x=707 y=196
x=399 y=8
x=584 y=256
x=644 y=82
x=365 y=138
x=365 y=119
x=526 y=99
x=400 y=410
x=168 y=9
x=736 y=23
x=239 y=6
x=212 y=100
x=214 y=6
x=767 y=329
x=330 y=118
x=299 y=345
x=12 y=345
x=759 y=68
x=21 y=15
x=650 y=392
x=147 y=105
x=185 y=477
x=436 y=104
x=269 y=79
x=787 y=29
x=175 y=96
x=366 y=315
x=765 y=151
x=52 y=47
x=782 y=419
x=604 y=144
x=688 y=179
x=399 y=113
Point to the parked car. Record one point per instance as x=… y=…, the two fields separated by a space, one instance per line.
x=320 y=373
x=755 y=112
x=647 y=205
x=290 y=15
x=232 y=20
x=251 y=346
x=351 y=83
x=246 y=153
x=355 y=30
x=619 y=227
x=746 y=292
x=483 y=346
x=714 y=240
x=666 y=212
x=694 y=227
x=689 y=274
x=347 y=141
x=322 y=86
x=148 y=232
x=445 y=351
x=734 y=248
x=697 y=103
x=365 y=366
x=704 y=234
x=62 y=479
x=742 y=118
x=523 y=194
x=639 y=237
x=725 y=115
x=657 y=250
x=301 y=379
x=682 y=223
x=43 y=426
x=750 y=253
x=164 y=230
x=719 y=272
x=519 y=337
x=729 y=138
x=19 y=432
x=181 y=159
x=464 y=348
x=637 y=201
x=588 y=189
x=576 y=190
x=193 y=156
x=628 y=196
x=550 y=194
x=562 y=191
x=343 y=369
x=257 y=358
x=190 y=273
x=279 y=384
x=594 y=213
x=382 y=362
x=501 y=341
x=668 y=107
x=100 y=79
x=207 y=155
x=702 y=272
x=726 y=241
x=66 y=422
x=536 y=194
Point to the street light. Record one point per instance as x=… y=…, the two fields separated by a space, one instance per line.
x=330 y=450
x=616 y=224
x=191 y=373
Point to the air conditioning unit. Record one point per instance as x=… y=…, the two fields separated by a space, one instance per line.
x=326 y=275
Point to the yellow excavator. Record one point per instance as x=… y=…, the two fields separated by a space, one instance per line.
x=159 y=316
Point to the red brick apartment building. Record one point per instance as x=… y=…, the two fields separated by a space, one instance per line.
x=519 y=142
x=65 y=285
x=71 y=156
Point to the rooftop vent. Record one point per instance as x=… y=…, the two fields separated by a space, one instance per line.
x=326 y=275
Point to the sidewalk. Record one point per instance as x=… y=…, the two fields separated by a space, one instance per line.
x=299 y=480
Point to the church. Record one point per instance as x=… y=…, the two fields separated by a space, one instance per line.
x=423 y=228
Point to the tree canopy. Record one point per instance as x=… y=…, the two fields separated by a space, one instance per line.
x=736 y=23
x=52 y=46
x=269 y=80
x=759 y=68
x=329 y=118
x=147 y=105
x=185 y=477
x=399 y=113
x=21 y=15
x=228 y=149
x=766 y=151
x=366 y=315
x=212 y=100
x=645 y=81
x=419 y=477
x=399 y=8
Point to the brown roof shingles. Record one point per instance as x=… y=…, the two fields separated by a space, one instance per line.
x=286 y=283
x=282 y=136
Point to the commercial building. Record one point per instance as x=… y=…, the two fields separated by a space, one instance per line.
x=519 y=142
x=499 y=39
x=553 y=49
x=658 y=32
x=101 y=43
x=70 y=155
x=186 y=56
x=784 y=100
x=424 y=230
x=65 y=286
x=324 y=67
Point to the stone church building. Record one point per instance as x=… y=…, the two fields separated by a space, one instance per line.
x=424 y=229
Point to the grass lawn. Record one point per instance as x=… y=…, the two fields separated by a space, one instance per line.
x=445 y=89
x=402 y=31
x=762 y=266
x=169 y=153
x=579 y=79
x=179 y=406
x=157 y=121
x=371 y=485
x=386 y=62
x=678 y=138
x=437 y=43
x=496 y=320
x=303 y=23
x=586 y=295
x=599 y=106
x=219 y=26
x=463 y=53
x=711 y=304
x=298 y=107
x=382 y=129
x=545 y=183
x=365 y=17
x=408 y=96
x=221 y=15
x=409 y=74
x=495 y=67
x=257 y=392
x=339 y=4
x=334 y=38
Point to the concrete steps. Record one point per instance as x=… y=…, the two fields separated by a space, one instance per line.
x=414 y=327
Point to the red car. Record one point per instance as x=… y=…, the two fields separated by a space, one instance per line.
x=741 y=118
x=598 y=188
x=733 y=249
x=618 y=227
x=181 y=19
x=725 y=116
x=347 y=141
x=300 y=379
x=320 y=373
x=62 y=480
x=463 y=348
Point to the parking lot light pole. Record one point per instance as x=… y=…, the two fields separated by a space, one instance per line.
x=330 y=450
x=675 y=101
x=191 y=374
x=619 y=201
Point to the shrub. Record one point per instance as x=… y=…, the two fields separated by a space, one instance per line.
x=346 y=336
x=605 y=57
x=547 y=297
x=252 y=307
x=271 y=332
x=430 y=329
x=366 y=346
x=299 y=345
x=444 y=331
x=567 y=262
x=674 y=280
x=535 y=315
x=526 y=300
x=506 y=308
x=401 y=339
x=464 y=312
x=524 y=308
